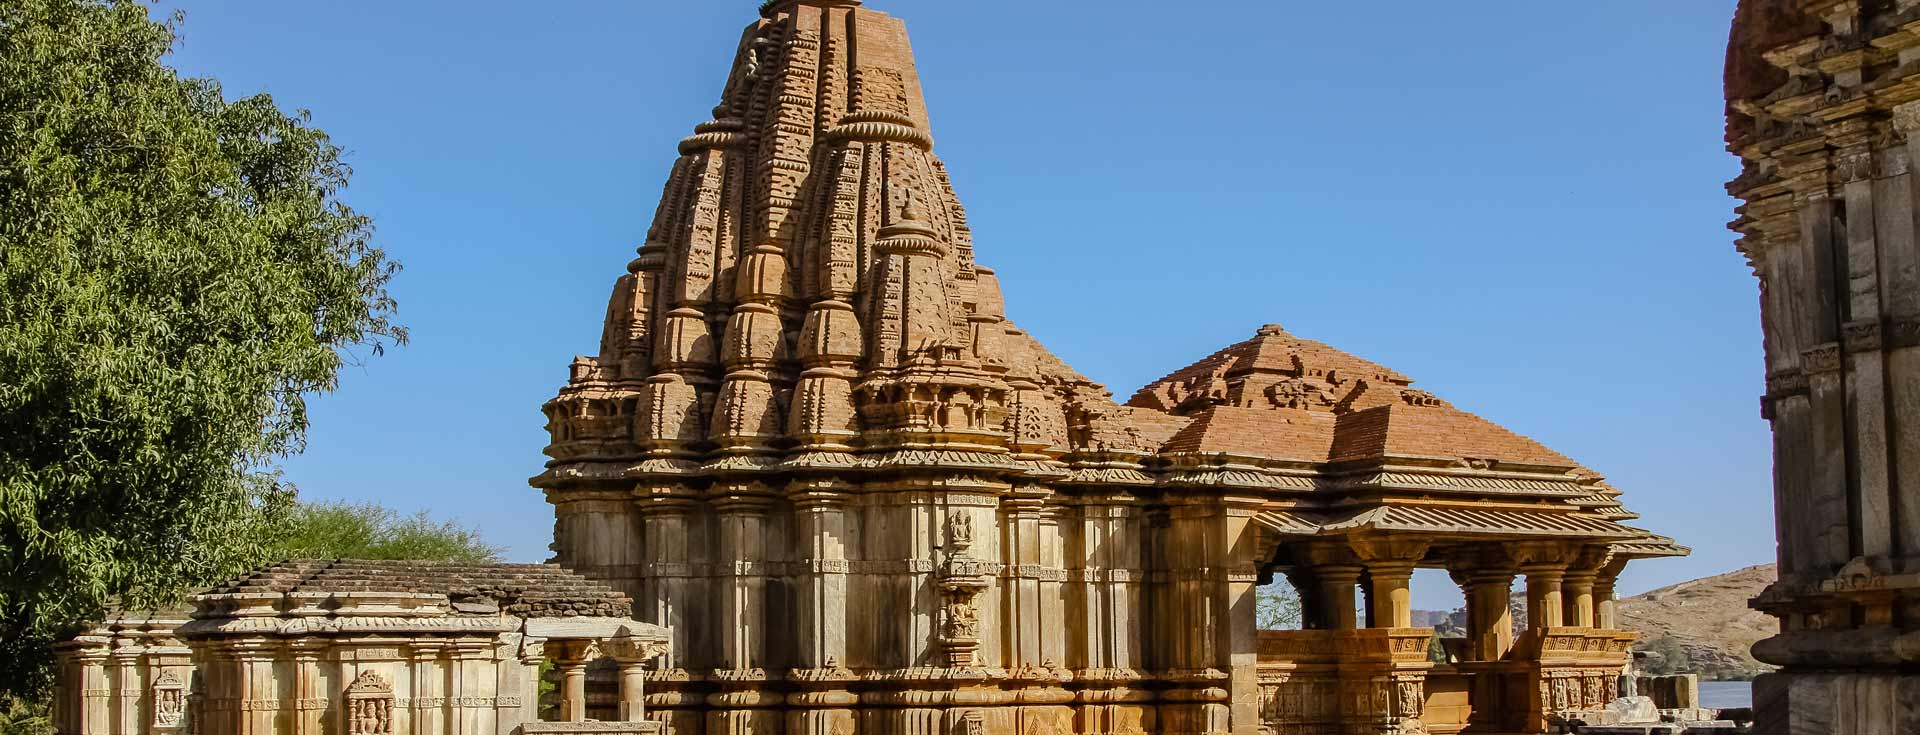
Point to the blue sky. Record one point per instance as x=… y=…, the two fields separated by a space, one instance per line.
x=1518 y=203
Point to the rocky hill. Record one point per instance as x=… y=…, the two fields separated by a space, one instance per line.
x=1707 y=618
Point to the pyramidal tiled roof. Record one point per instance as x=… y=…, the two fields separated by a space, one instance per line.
x=1279 y=396
x=526 y=590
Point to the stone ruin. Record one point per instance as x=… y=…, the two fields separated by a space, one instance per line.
x=363 y=648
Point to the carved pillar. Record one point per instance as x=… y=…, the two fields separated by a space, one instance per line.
x=1306 y=585
x=1337 y=583
x=823 y=704
x=1545 y=605
x=1606 y=614
x=307 y=683
x=1546 y=568
x=1582 y=605
x=473 y=680
x=1489 y=614
x=93 y=692
x=1108 y=615
x=1390 y=561
x=429 y=693
x=1247 y=548
x=1578 y=588
x=631 y=657
x=570 y=659
x=1196 y=633
x=259 y=704
x=124 y=685
x=743 y=705
x=672 y=595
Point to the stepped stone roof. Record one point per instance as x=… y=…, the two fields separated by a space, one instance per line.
x=1278 y=396
x=521 y=590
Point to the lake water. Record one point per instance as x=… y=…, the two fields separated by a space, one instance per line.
x=1724 y=694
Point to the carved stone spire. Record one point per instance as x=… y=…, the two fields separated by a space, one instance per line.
x=808 y=277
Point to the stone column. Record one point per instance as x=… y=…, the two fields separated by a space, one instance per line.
x=631 y=657
x=307 y=684
x=258 y=702
x=1545 y=565
x=473 y=676
x=674 y=593
x=823 y=704
x=1545 y=604
x=1489 y=614
x=429 y=689
x=1578 y=588
x=1337 y=584
x=570 y=658
x=1606 y=613
x=126 y=685
x=1313 y=610
x=93 y=692
x=1390 y=562
x=1245 y=552
x=820 y=513
x=1582 y=601
x=744 y=545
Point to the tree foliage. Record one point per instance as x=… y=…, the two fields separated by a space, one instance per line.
x=370 y=531
x=1277 y=607
x=176 y=275
x=1667 y=657
x=20 y=717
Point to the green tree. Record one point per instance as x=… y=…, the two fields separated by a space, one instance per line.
x=369 y=531
x=1668 y=657
x=19 y=717
x=176 y=276
x=1277 y=607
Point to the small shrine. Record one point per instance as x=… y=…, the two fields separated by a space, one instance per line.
x=365 y=648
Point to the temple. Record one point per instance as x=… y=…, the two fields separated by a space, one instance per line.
x=813 y=445
x=1823 y=101
x=347 y=647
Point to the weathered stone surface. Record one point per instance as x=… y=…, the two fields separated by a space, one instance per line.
x=1821 y=111
x=1633 y=710
x=360 y=648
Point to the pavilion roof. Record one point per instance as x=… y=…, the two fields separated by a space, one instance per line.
x=522 y=590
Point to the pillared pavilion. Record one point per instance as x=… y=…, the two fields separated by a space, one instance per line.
x=814 y=445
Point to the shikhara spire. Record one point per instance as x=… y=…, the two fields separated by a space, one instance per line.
x=809 y=276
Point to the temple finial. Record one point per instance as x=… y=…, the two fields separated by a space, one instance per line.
x=771 y=8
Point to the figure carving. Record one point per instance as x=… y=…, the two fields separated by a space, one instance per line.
x=959 y=530
x=370 y=705
x=1411 y=700
x=169 y=701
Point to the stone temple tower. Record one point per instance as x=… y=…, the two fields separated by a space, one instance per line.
x=1823 y=108
x=814 y=446
x=808 y=288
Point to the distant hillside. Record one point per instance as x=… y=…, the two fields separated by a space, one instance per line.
x=1708 y=619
